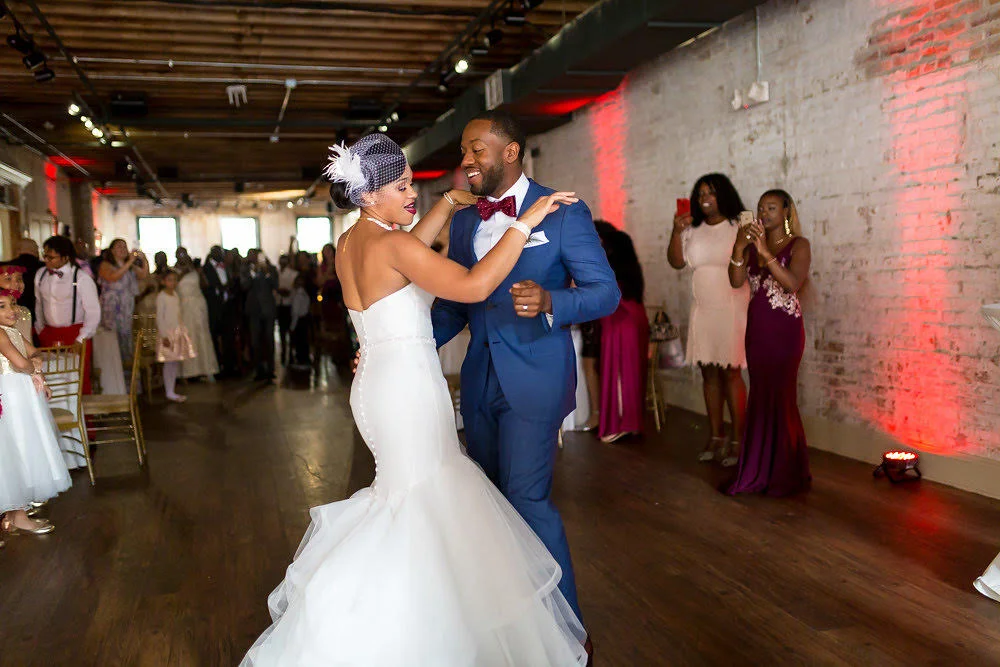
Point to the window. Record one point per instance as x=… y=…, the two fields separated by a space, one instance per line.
x=159 y=235
x=313 y=233
x=239 y=233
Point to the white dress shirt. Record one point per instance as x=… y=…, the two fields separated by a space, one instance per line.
x=286 y=280
x=493 y=228
x=54 y=301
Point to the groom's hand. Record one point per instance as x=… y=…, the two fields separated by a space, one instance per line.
x=530 y=299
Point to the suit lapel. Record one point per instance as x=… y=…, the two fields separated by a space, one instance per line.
x=472 y=228
x=534 y=192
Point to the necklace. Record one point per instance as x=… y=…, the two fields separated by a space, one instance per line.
x=381 y=224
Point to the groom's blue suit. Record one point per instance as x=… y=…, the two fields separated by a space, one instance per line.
x=519 y=375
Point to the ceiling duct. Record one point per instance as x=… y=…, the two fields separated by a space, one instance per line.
x=588 y=58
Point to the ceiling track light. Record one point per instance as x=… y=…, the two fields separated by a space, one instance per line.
x=34 y=60
x=461 y=66
x=493 y=37
x=73 y=109
x=530 y=4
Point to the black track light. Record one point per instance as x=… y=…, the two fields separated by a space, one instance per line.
x=44 y=74
x=530 y=4
x=33 y=60
x=3 y=10
x=494 y=36
x=21 y=43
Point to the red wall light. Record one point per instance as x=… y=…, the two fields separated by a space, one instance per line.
x=429 y=174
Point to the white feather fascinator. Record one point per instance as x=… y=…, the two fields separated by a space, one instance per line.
x=372 y=162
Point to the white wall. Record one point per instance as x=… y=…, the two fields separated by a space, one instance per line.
x=882 y=124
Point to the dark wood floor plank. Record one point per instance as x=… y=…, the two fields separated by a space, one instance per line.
x=172 y=565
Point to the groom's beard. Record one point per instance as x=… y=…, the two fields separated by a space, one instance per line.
x=489 y=182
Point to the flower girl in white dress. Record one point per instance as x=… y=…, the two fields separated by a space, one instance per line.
x=32 y=468
x=174 y=345
x=430 y=566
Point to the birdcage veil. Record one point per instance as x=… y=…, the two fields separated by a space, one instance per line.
x=372 y=162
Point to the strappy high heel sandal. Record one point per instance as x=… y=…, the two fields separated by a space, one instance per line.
x=728 y=455
x=708 y=454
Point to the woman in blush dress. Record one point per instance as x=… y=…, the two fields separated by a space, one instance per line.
x=773 y=459
x=703 y=239
x=624 y=345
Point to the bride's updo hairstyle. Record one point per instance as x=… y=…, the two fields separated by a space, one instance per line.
x=360 y=171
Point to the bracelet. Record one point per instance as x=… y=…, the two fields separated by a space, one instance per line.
x=735 y=263
x=773 y=259
x=523 y=228
x=447 y=198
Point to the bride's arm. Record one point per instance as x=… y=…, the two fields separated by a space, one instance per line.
x=450 y=280
x=431 y=224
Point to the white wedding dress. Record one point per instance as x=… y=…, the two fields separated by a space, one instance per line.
x=430 y=566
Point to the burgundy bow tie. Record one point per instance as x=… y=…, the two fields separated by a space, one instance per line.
x=487 y=208
x=54 y=272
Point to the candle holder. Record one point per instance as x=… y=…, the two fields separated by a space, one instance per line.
x=899 y=466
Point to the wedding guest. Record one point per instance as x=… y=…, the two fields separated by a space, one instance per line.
x=774 y=257
x=259 y=279
x=118 y=277
x=160 y=264
x=590 y=352
x=67 y=308
x=703 y=239
x=194 y=315
x=334 y=314
x=34 y=470
x=286 y=282
x=12 y=279
x=222 y=309
x=174 y=345
x=300 y=322
x=26 y=251
x=624 y=345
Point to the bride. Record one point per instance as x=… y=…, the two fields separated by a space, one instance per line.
x=430 y=566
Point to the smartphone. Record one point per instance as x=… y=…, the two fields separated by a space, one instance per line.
x=746 y=218
x=683 y=206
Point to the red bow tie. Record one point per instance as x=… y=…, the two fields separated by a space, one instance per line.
x=53 y=272
x=487 y=208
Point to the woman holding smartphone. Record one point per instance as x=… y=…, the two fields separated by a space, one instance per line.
x=703 y=239
x=773 y=256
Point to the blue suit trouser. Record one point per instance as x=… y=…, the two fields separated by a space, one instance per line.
x=518 y=455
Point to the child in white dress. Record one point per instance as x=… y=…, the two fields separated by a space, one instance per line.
x=32 y=468
x=12 y=278
x=174 y=344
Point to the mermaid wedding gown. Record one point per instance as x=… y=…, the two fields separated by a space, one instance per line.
x=430 y=566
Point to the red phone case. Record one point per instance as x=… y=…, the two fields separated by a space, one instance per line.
x=683 y=206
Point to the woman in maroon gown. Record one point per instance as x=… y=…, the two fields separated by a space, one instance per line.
x=773 y=255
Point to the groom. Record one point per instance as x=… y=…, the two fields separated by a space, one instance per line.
x=519 y=375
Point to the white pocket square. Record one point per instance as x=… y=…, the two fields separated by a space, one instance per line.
x=538 y=238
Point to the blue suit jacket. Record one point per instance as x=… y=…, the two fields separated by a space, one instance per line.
x=535 y=363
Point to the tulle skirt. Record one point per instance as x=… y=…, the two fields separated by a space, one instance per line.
x=180 y=349
x=445 y=574
x=32 y=468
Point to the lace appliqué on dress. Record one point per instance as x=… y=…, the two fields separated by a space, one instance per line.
x=777 y=295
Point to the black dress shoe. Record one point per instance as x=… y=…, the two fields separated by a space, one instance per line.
x=588 y=646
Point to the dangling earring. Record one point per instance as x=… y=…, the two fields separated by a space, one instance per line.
x=788 y=227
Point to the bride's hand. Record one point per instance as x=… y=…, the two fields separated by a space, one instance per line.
x=545 y=205
x=463 y=197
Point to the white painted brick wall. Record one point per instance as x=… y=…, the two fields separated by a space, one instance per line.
x=890 y=150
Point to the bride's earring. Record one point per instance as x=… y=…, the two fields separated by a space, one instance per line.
x=788 y=227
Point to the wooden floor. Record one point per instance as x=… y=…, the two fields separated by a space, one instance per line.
x=172 y=566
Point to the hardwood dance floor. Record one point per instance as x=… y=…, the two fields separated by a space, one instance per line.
x=173 y=566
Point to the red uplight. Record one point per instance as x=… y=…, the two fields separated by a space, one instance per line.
x=563 y=107
x=104 y=192
x=429 y=174
x=65 y=162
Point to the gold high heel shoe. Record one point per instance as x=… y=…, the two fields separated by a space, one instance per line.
x=43 y=528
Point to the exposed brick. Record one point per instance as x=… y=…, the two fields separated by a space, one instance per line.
x=883 y=124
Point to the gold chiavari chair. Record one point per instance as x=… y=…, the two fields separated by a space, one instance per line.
x=61 y=368
x=654 y=398
x=114 y=418
x=145 y=324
